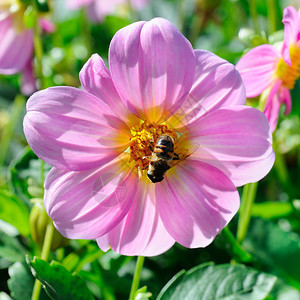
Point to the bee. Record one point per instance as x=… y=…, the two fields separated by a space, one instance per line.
x=162 y=158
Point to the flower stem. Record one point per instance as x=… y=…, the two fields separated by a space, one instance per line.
x=253 y=14
x=241 y=254
x=181 y=14
x=9 y=129
x=47 y=241
x=248 y=197
x=130 y=9
x=38 y=49
x=44 y=255
x=271 y=16
x=280 y=165
x=136 y=277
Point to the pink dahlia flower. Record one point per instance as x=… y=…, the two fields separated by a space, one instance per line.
x=99 y=9
x=16 y=39
x=16 y=50
x=265 y=68
x=99 y=141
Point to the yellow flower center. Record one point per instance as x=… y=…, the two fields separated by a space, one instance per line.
x=289 y=74
x=144 y=137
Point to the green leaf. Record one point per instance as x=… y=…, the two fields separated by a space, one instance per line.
x=59 y=282
x=77 y=259
x=4 y=296
x=226 y=282
x=114 y=23
x=20 y=281
x=271 y=210
x=276 y=248
x=226 y=240
x=25 y=175
x=142 y=294
x=282 y=291
x=13 y=211
x=42 y=5
x=29 y=17
x=11 y=249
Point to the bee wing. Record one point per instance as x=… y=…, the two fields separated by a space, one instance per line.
x=188 y=151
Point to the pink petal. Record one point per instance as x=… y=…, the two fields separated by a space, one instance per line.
x=47 y=25
x=272 y=107
x=76 y=4
x=98 y=10
x=28 y=84
x=152 y=66
x=291 y=21
x=85 y=205
x=237 y=140
x=285 y=98
x=216 y=84
x=95 y=79
x=196 y=203
x=141 y=232
x=73 y=130
x=257 y=68
x=139 y=4
x=16 y=47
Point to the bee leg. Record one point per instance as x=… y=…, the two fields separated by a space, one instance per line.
x=176 y=156
x=151 y=142
x=148 y=158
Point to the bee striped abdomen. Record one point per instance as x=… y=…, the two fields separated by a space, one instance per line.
x=164 y=146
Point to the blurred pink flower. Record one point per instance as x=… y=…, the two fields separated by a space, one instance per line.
x=97 y=139
x=264 y=68
x=16 y=50
x=98 y=9
x=16 y=44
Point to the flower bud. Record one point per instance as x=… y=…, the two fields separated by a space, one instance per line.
x=39 y=221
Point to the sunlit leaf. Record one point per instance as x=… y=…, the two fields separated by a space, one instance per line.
x=269 y=210
x=58 y=281
x=211 y=282
x=282 y=291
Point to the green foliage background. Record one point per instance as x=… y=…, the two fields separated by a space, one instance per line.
x=265 y=266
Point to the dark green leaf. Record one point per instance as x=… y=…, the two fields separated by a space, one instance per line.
x=77 y=259
x=21 y=281
x=25 y=175
x=13 y=211
x=60 y=284
x=11 y=249
x=277 y=248
x=42 y=5
x=210 y=282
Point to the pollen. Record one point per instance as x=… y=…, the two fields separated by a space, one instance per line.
x=289 y=74
x=144 y=137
